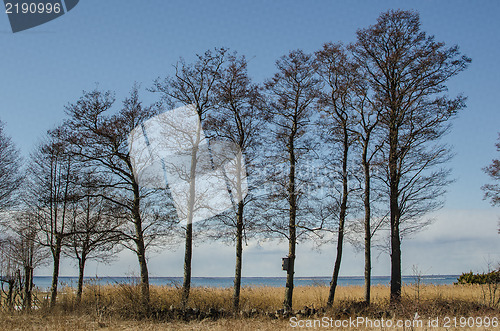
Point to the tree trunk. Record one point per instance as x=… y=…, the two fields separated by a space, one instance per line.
x=292 y=239
x=141 y=249
x=342 y=216
x=394 y=210
x=287 y=304
x=188 y=253
x=10 y=294
x=395 y=261
x=188 y=249
x=141 y=256
x=81 y=272
x=28 y=288
x=336 y=268
x=55 y=272
x=239 y=253
x=368 y=235
x=28 y=275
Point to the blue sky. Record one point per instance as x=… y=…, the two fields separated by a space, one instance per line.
x=116 y=42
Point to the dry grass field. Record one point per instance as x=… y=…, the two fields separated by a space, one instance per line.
x=116 y=307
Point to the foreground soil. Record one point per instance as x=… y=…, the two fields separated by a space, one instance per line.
x=77 y=322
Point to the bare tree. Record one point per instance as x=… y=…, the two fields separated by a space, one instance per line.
x=366 y=131
x=337 y=105
x=24 y=249
x=237 y=120
x=492 y=191
x=10 y=181
x=8 y=272
x=52 y=174
x=99 y=138
x=408 y=70
x=96 y=226
x=10 y=176
x=292 y=93
x=366 y=112
x=192 y=85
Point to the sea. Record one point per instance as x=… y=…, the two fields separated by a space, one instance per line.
x=44 y=282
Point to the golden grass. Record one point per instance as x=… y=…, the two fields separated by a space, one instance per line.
x=117 y=307
x=268 y=298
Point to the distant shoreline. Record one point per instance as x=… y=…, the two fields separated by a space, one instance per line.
x=44 y=282
x=296 y=277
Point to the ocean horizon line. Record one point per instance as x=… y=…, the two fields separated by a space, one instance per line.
x=376 y=276
x=247 y=281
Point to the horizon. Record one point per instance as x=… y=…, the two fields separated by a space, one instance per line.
x=231 y=277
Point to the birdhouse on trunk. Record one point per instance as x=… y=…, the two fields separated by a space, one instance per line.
x=285 y=261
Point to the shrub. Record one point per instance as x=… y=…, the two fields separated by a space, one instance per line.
x=484 y=278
